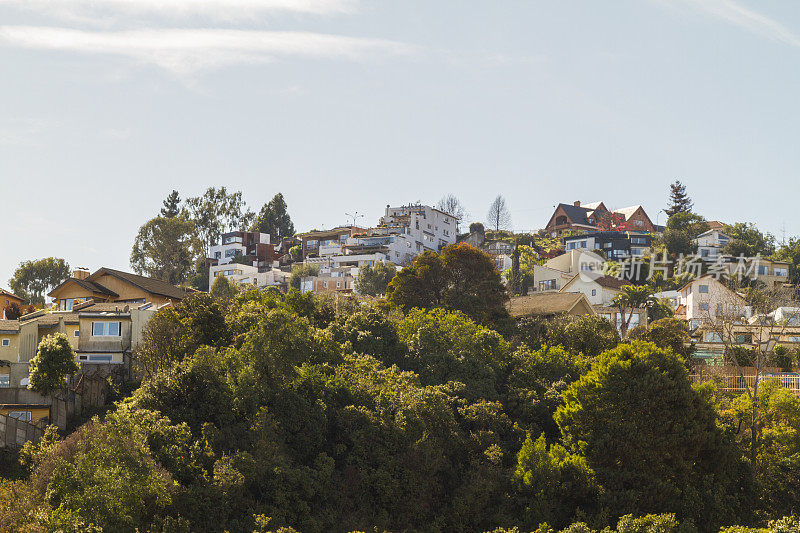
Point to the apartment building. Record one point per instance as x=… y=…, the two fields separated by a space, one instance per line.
x=614 y=244
x=258 y=277
x=558 y=271
x=250 y=246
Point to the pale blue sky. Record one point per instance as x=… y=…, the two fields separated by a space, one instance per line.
x=342 y=105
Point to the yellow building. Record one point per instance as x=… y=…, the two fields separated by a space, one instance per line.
x=6 y=299
x=109 y=285
x=32 y=413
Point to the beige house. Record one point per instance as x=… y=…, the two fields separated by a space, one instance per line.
x=109 y=285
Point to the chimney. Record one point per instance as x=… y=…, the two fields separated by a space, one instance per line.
x=80 y=274
x=576 y=203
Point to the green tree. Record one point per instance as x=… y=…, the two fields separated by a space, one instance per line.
x=165 y=249
x=653 y=440
x=274 y=219
x=461 y=278
x=374 y=280
x=53 y=362
x=777 y=444
x=687 y=222
x=172 y=205
x=553 y=485
x=296 y=253
x=748 y=240
x=217 y=211
x=678 y=242
x=33 y=278
x=630 y=298
x=301 y=271
x=679 y=201
x=669 y=333
x=790 y=252
x=177 y=331
x=222 y=289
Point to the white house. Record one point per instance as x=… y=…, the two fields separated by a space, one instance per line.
x=706 y=300
x=558 y=271
x=599 y=291
x=710 y=244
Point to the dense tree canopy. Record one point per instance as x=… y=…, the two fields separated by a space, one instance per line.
x=461 y=278
x=374 y=280
x=259 y=409
x=33 y=278
x=53 y=362
x=165 y=248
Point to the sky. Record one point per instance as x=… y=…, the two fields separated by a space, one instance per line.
x=347 y=105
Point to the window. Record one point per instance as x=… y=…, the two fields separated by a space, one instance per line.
x=5 y=381
x=608 y=245
x=744 y=338
x=703 y=306
x=77 y=333
x=719 y=309
x=105 y=329
x=793 y=338
x=230 y=253
x=703 y=289
x=638 y=240
x=6 y=342
x=217 y=255
x=100 y=358
x=712 y=336
x=704 y=252
x=638 y=223
x=594 y=292
x=547 y=285
x=20 y=415
x=781 y=272
x=763 y=270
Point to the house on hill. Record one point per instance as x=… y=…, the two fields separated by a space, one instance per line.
x=597 y=217
x=109 y=285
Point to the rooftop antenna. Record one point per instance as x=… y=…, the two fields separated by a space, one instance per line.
x=783 y=234
x=356 y=215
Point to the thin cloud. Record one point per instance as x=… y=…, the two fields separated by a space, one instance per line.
x=747 y=19
x=187 y=51
x=222 y=10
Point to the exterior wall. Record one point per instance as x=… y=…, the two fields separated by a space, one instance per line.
x=37 y=413
x=639 y=221
x=28 y=341
x=10 y=352
x=718 y=299
x=595 y=293
x=612 y=314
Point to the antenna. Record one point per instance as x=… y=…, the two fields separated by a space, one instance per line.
x=356 y=215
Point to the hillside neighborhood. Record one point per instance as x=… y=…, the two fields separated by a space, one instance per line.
x=220 y=296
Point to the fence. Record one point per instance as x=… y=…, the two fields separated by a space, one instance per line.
x=14 y=433
x=85 y=392
x=728 y=379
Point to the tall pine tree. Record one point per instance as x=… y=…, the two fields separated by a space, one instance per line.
x=679 y=200
x=171 y=207
x=274 y=219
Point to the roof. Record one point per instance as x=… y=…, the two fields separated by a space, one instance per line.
x=4 y=292
x=712 y=230
x=628 y=211
x=577 y=214
x=607 y=282
x=716 y=224
x=151 y=285
x=547 y=303
x=592 y=206
x=611 y=282
x=9 y=326
x=52 y=319
x=88 y=285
